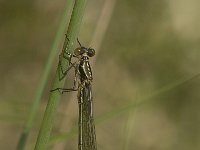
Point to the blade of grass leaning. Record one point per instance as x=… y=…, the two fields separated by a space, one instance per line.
x=146 y=99
x=72 y=32
x=125 y=108
x=36 y=101
x=129 y=126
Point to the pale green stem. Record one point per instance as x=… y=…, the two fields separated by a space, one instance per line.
x=72 y=32
x=36 y=101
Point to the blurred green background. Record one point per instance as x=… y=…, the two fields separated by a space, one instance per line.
x=148 y=46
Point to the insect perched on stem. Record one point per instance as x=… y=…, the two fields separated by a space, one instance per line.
x=83 y=77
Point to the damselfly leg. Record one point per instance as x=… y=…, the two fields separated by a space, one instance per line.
x=65 y=54
x=63 y=90
x=64 y=72
x=74 y=88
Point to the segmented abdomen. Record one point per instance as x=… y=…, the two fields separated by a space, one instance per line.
x=87 y=136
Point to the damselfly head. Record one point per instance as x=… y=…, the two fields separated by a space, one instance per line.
x=82 y=51
x=78 y=51
x=90 y=52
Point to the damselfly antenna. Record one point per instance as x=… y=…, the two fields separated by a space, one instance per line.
x=79 y=42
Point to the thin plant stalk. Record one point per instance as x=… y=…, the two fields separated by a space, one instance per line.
x=36 y=101
x=72 y=32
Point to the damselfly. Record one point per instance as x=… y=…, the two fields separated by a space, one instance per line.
x=83 y=79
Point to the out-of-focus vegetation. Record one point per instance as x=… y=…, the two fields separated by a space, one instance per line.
x=148 y=46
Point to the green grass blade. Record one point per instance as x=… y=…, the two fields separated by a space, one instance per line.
x=129 y=125
x=126 y=108
x=36 y=101
x=72 y=32
x=145 y=99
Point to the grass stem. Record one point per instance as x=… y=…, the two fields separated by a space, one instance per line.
x=36 y=101
x=72 y=32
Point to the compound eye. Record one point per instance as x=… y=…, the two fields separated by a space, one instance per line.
x=91 y=52
x=77 y=51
